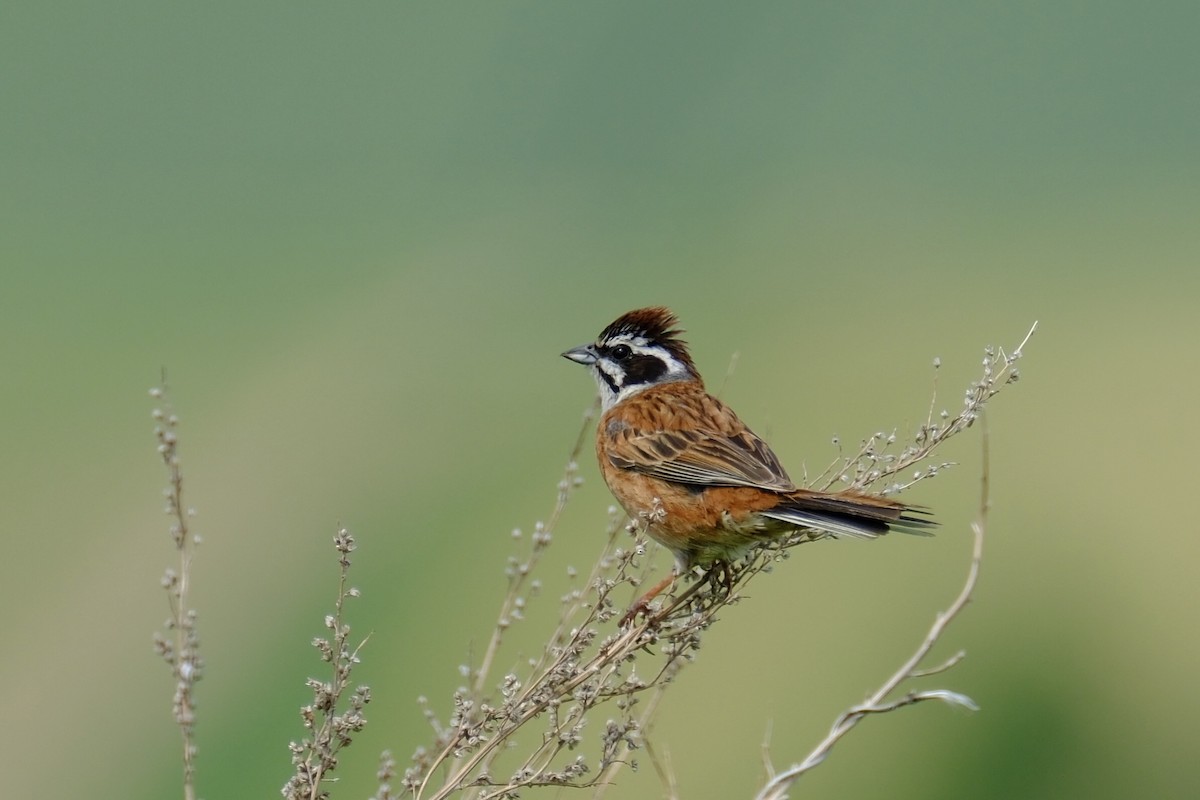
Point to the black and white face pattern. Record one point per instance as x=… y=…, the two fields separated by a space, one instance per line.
x=638 y=350
x=625 y=364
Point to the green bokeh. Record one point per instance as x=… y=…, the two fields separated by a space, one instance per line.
x=359 y=235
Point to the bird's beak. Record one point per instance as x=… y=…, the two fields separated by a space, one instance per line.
x=584 y=354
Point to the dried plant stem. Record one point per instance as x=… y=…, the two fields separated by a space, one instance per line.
x=179 y=646
x=608 y=776
x=329 y=724
x=873 y=463
x=602 y=662
x=519 y=577
x=776 y=788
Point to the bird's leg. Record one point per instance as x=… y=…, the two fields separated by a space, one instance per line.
x=642 y=604
x=720 y=576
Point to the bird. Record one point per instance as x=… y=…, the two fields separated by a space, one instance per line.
x=686 y=468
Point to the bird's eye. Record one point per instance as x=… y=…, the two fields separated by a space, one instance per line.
x=621 y=352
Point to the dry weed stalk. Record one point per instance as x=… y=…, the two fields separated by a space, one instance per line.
x=330 y=726
x=178 y=644
x=778 y=784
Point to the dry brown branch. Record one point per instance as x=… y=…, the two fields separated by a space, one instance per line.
x=878 y=703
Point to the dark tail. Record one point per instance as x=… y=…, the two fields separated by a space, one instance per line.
x=864 y=516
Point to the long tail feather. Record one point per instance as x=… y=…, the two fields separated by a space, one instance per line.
x=851 y=514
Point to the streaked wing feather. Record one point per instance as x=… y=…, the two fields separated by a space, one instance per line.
x=701 y=458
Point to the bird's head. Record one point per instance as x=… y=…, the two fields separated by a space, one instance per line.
x=638 y=350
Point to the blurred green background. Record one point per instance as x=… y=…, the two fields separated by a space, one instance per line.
x=358 y=236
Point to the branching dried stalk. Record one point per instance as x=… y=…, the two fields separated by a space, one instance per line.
x=588 y=663
x=330 y=727
x=178 y=644
x=777 y=786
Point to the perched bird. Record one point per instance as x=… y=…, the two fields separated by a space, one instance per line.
x=685 y=467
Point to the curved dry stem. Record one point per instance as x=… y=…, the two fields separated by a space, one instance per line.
x=776 y=788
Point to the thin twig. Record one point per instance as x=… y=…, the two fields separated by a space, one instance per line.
x=776 y=788
x=180 y=646
x=330 y=723
x=541 y=540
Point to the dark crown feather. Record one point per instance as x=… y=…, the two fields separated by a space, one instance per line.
x=659 y=325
